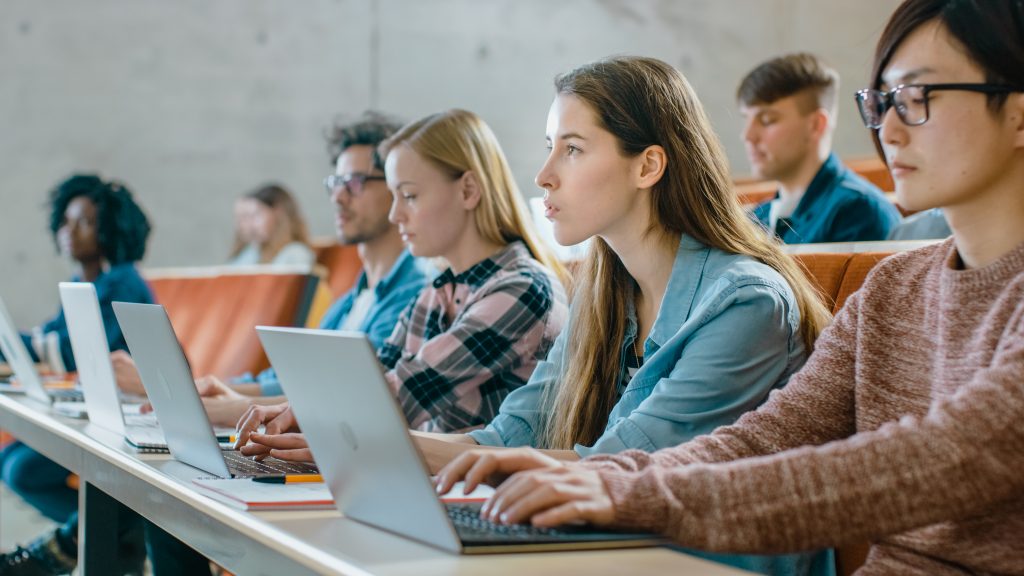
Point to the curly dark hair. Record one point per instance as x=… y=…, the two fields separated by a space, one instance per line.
x=370 y=129
x=122 y=226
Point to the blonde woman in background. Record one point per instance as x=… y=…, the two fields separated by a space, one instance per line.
x=270 y=229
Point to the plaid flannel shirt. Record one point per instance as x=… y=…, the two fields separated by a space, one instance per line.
x=470 y=339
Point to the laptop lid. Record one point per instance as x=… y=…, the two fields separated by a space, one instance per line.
x=356 y=433
x=19 y=359
x=168 y=381
x=92 y=355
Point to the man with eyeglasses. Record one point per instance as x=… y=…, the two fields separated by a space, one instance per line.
x=789 y=108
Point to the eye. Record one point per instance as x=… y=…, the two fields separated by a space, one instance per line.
x=408 y=198
x=571 y=150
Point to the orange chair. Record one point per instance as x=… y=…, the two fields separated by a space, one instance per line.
x=214 y=311
x=826 y=271
x=342 y=263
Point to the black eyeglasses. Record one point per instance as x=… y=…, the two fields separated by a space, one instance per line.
x=911 y=101
x=354 y=182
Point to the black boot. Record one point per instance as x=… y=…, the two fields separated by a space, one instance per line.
x=42 y=557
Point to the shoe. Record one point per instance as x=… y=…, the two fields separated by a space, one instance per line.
x=42 y=557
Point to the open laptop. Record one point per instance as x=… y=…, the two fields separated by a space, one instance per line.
x=95 y=372
x=369 y=461
x=24 y=367
x=171 y=388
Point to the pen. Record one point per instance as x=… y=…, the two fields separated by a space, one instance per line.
x=289 y=479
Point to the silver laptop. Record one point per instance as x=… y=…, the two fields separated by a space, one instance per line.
x=373 y=469
x=95 y=372
x=24 y=368
x=171 y=388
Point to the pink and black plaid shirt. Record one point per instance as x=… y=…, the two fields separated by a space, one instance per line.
x=470 y=339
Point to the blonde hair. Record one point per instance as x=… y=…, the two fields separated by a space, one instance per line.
x=458 y=141
x=645 y=102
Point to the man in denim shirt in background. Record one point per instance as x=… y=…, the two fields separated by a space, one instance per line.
x=789 y=108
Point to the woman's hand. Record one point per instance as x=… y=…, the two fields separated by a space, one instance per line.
x=548 y=497
x=490 y=466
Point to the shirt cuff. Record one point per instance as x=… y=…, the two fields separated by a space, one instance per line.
x=637 y=505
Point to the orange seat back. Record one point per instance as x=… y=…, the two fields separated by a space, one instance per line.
x=342 y=263
x=825 y=270
x=856 y=272
x=214 y=315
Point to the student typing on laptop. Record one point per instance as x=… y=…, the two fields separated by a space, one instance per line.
x=99 y=227
x=707 y=314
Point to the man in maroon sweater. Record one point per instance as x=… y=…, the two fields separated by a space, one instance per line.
x=904 y=427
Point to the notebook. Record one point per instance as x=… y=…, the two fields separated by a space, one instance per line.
x=171 y=389
x=369 y=461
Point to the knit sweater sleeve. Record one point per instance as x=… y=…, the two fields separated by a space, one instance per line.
x=958 y=460
x=815 y=407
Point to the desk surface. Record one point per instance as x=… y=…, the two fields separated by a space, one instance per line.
x=285 y=542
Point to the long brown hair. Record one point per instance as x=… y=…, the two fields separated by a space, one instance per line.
x=645 y=102
x=459 y=141
x=276 y=196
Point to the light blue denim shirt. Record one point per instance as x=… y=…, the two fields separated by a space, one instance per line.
x=727 y=334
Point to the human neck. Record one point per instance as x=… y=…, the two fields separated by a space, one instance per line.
x=648 y=258
x=991 y=223
x=89 y=270
x=379 y=255
x=796 y=182
x=271 y=247
x=469 y=250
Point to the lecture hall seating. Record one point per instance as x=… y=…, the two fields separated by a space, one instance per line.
x=214 y=311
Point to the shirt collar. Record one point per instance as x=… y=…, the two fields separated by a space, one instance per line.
x=821 y=183
x=687 y=273
x=477 y=274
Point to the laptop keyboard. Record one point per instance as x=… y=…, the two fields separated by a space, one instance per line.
x=471 y=527
x=65 y=394
x=244 y=467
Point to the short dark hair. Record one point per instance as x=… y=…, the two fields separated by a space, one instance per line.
x=991 y=33
x=370 y=129
x=787 y=75
x=122 y=226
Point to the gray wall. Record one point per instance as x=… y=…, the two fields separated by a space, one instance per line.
x=194 y=102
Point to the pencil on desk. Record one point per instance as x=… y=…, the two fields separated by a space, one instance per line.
x=289 y=479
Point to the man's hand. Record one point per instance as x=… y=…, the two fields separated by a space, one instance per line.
x=125 y=373
x=275 y=418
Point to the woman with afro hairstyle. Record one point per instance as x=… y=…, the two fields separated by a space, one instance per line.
x=97 y=225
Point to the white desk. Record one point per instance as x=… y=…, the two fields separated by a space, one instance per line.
x=278 y=543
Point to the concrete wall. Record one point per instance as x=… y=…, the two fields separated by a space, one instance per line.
x=193 y=102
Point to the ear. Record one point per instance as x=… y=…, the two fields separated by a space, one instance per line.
x=1015 y=110
x=470 y=190
x=651 y=166
x=820 y=123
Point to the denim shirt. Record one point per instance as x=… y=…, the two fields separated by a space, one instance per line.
x=392 y=295
x=838 y=206
x=726 y=335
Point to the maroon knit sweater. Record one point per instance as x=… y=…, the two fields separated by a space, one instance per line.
x=905 y=428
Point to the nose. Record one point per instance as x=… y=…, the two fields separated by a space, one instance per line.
x=749 y=132
x=546 y=178
x=893 y=131
x=395 y=215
